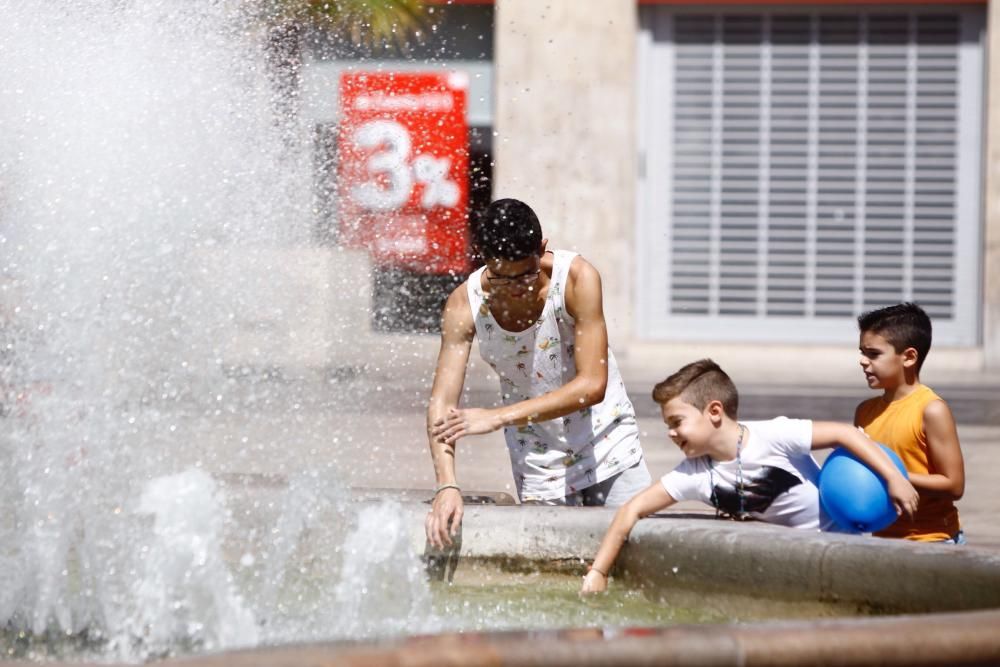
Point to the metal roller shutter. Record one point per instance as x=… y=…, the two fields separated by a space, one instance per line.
x=801 y=167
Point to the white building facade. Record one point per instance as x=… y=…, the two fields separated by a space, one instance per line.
x=752 y=174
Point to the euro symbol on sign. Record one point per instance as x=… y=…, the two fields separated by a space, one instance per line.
x=438 y=189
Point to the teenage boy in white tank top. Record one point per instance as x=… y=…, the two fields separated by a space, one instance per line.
x=539 y=318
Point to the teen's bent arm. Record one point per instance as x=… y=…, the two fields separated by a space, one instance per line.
x=584 y=302
x=944 y=454
x=653 y=499
x=457 y=332
x=831 y=434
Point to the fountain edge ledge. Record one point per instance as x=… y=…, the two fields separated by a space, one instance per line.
x=719 y=556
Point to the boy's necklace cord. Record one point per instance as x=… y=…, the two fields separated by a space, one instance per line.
x=739 y=478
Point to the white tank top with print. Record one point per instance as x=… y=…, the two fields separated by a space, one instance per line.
x=559 y=457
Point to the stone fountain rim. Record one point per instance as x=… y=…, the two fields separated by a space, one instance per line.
x=551 y=534
x=960 y=630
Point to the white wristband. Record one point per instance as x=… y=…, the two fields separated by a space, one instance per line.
x=447 y=486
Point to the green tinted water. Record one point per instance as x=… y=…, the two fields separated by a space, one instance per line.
x=536 y=601
x=489 y=597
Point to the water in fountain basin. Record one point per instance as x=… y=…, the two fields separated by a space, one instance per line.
x=378 y=580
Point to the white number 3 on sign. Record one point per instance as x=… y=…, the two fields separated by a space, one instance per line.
x=392 y=161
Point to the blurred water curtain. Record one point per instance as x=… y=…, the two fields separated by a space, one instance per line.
x=138 y=148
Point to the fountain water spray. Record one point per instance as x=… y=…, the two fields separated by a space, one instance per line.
x=184 y=590
x=138 y=140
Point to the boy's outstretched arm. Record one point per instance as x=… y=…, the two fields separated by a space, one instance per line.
x=944 y=454
x=831 y=434
x=653 y=499
x=457 y=332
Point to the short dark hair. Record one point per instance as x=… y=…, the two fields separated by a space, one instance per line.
x=699 y=383
x=903 y=325
x=509 y=230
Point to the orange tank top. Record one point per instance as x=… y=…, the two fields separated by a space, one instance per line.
x=900 y=425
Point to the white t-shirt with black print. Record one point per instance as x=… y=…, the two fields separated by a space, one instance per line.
x=779 y=476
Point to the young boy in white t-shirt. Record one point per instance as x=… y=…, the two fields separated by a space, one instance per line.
x=762 y=470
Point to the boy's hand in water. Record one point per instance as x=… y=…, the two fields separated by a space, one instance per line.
x=471 y=421
x=594 y=582
x=445 y=518
x=903 y=495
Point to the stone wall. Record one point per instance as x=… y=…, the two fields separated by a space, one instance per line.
x=565 y=123
x=991 y=235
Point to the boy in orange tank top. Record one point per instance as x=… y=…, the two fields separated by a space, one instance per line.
x=912 y=420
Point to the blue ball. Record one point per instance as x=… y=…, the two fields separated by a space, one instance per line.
x=854 y=496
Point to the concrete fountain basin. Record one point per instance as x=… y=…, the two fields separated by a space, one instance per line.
x=935 y=604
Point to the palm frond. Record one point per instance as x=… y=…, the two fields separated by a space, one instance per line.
x=370 y=23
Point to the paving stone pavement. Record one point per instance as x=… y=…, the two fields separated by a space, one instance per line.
x=366 y=428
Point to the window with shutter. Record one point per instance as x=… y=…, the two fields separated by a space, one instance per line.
x=803 y=166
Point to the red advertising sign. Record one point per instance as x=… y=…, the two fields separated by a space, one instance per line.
x=403 y=168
